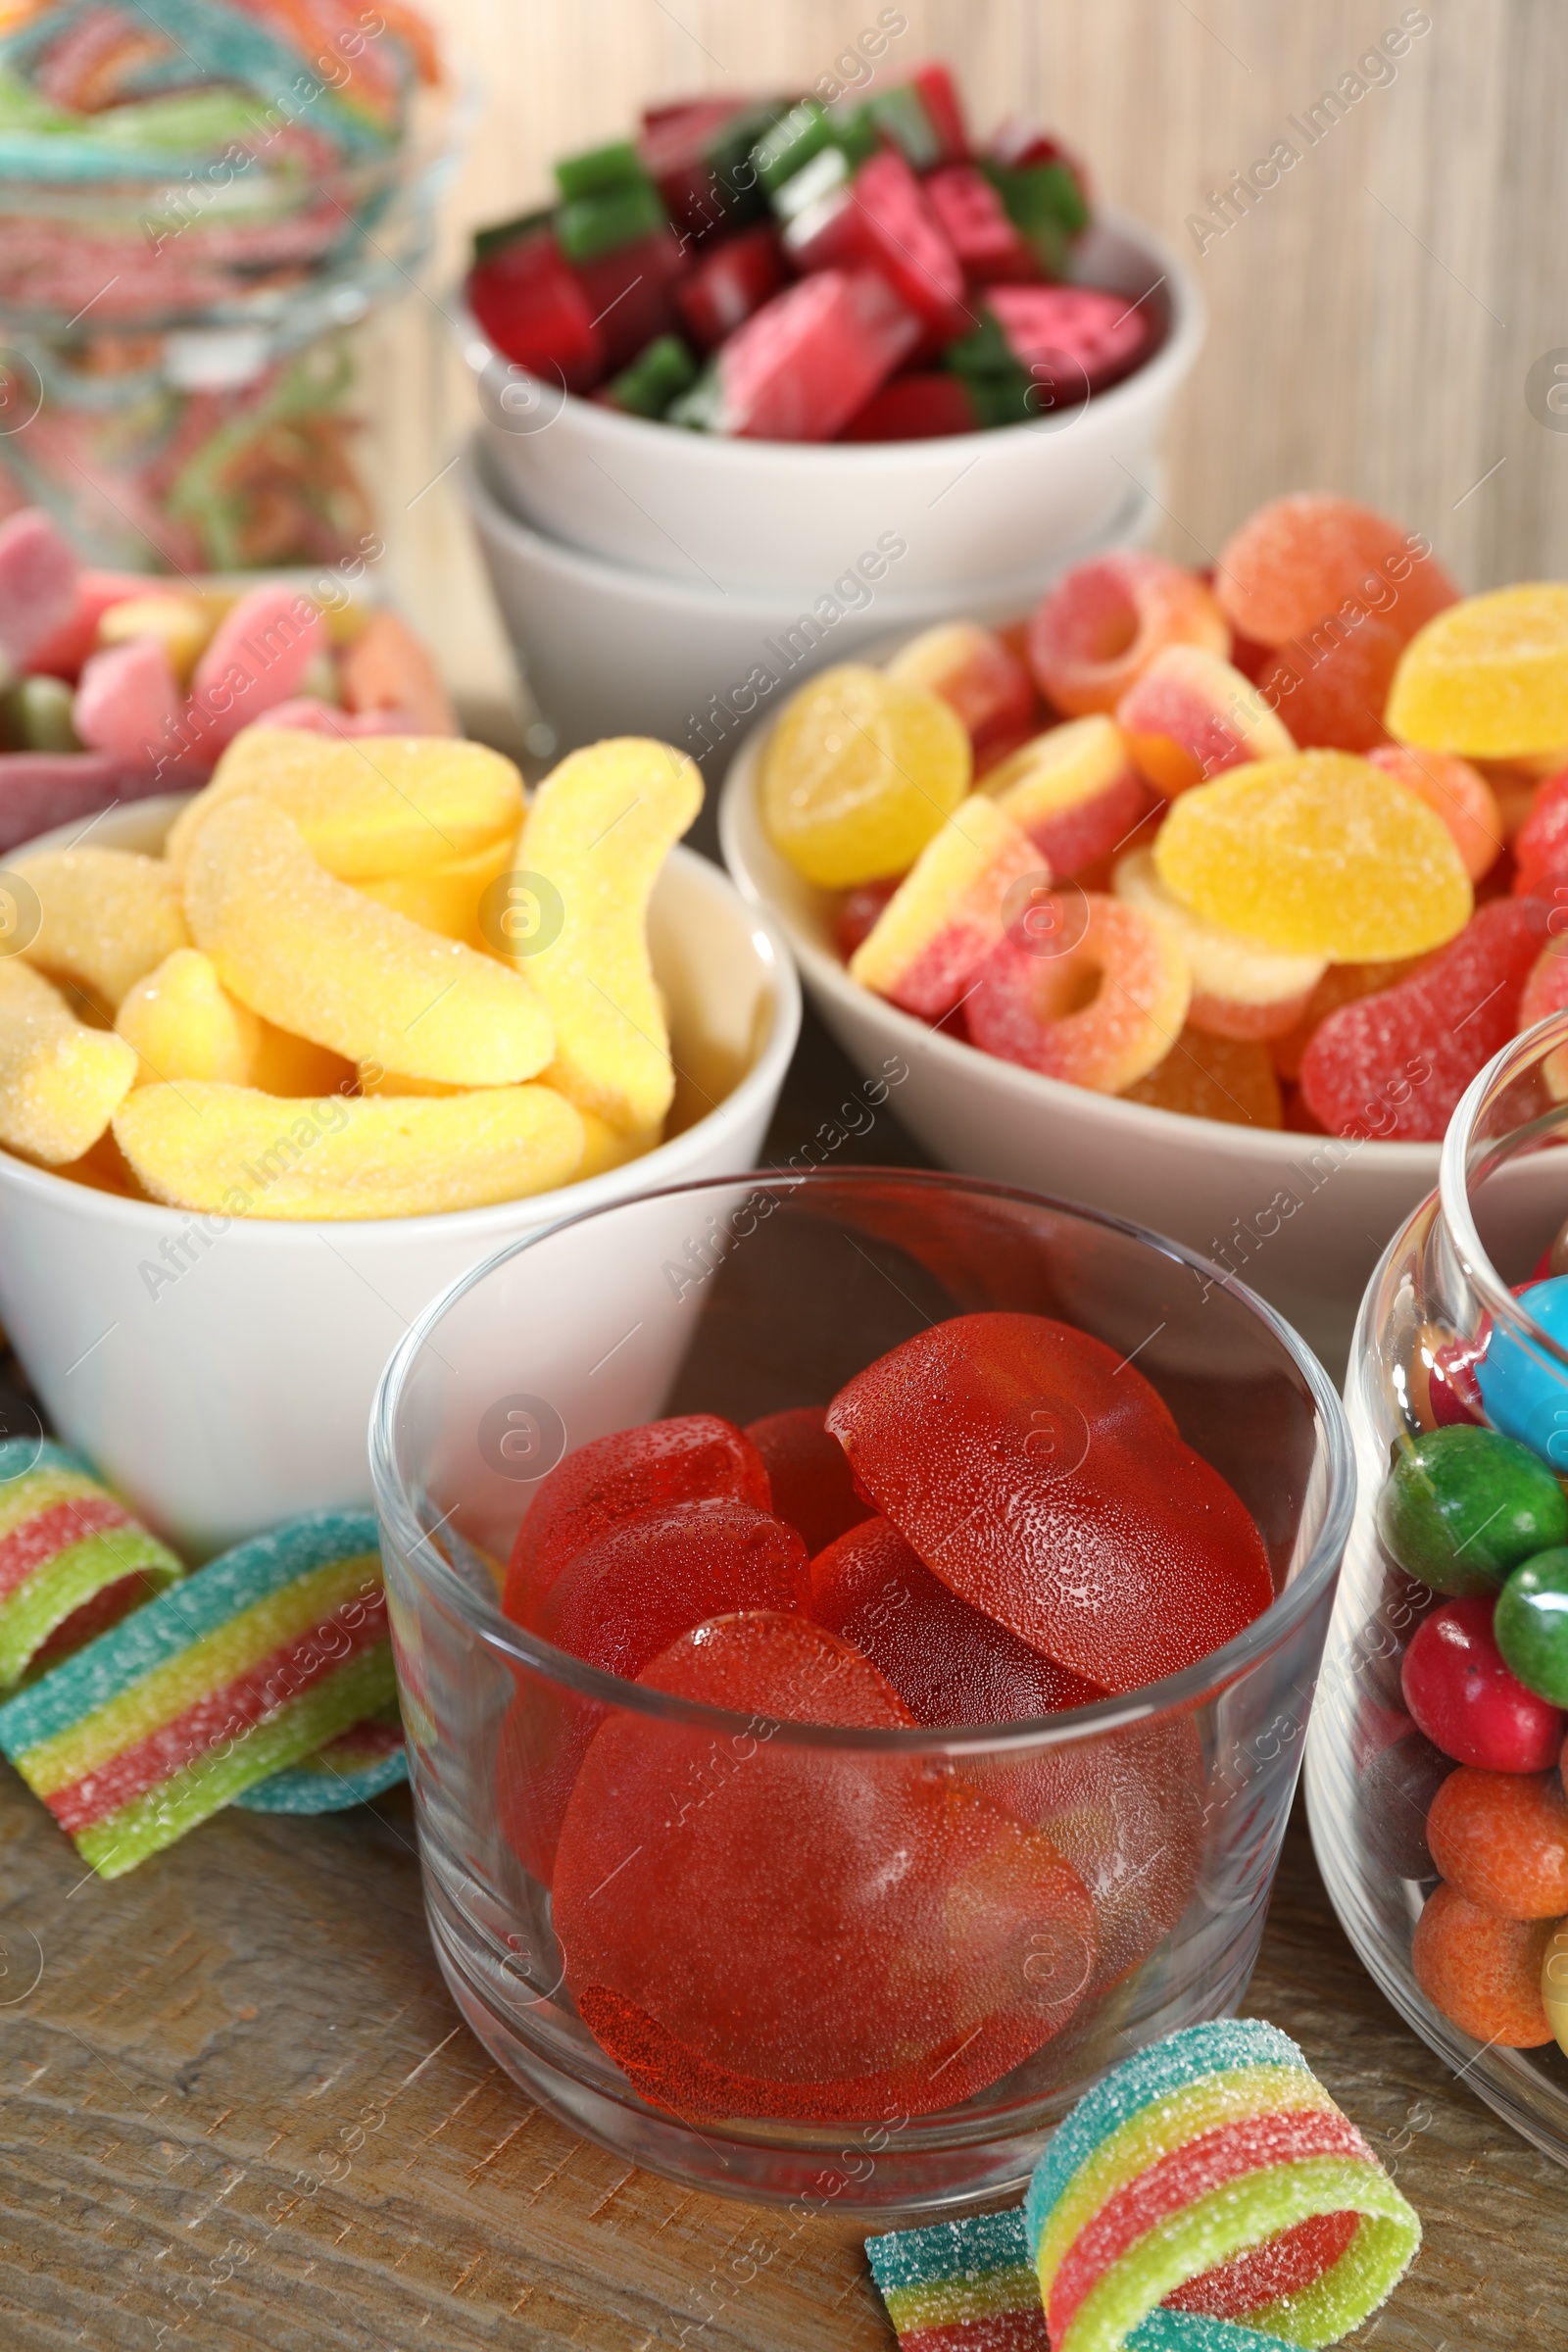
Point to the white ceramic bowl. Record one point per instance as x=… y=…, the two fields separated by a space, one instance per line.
x=608 y=650
x=713 y=513
x=1302 y=1219
x=239 y=1394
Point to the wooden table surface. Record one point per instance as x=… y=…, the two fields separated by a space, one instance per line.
x=238 y=2109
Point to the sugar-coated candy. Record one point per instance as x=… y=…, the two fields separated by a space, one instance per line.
x=964 y=2283
x=1206 y=1077
x=183 y=1024
x=1330 y=691
x=1300 y=560
x=1094 y=634
x=1540 y=845
x=1089 y=991
x=37 y=583
x=947 y=914
x=860 y=773
x=1394 y=1064
x=365 y=1761
x=1318 y=854
x=800 y=367
x=1213 y=2174
x=598 y=832
x=261 y=653
x=989 y=247
x=1483 y=1971
x=808 y=1474
x=878 y=221
x=73 y=1559
x=1461 y=1509
x=234 y=1673
x=971 y=668
x=1457 y=792
x=316 y=956
x=949 y=1663
x=652 y=1577
x=1075 y=792
x=1191 y=716
x=1044 y=1481
x=1464 y=1698
x=129 y=702
x=920 y=404
x=535 y=312
x=1501 y=1839
x=1545 y=992
x=1341 y=984
x=451 y=897
x=1240 y=989
x=233 y=1150
x=1530 y=1626
x=182 y=625
x=1523 y=1392
x=109 y=917
x=726 y=285
x=742 y=1963
x=61 y=1082
x=1038 y=350
x=1395 y=1795
x=1488 y=678
x=386 y=668
x=693 y=1458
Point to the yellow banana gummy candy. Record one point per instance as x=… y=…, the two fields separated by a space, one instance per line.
x=109 y=917
x=230 y=1151
x=447 y=898
x=315 y=956
x=599 y=829
x=369 y=806
x=183 y=1024
x=60 y=1082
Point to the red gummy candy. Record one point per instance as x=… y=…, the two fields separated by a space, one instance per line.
x=919 y=406
x=882 y=223
x=1394 y=1065
x=1044 y=1480
x=1329 y=686
x=536 y=314
x=1540 y=846
x=802 y=365
x=673 y=151
x=943 y=108
x=695 y=1458
x=974 y=220
x=947 y=1662
x=1464 y=1698
x=808 y=1471
x=618 y=1603
x=628 y=292
x=728 y=284
x=787 y=1930
x=1073 y=340
x=860 y=912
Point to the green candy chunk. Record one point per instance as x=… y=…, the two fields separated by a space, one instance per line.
x=660 y=372
x=1463 y=1506
x=590 y=225
x=781 y=151
x=1532 y=1625
x=488 y=241
x=902 y=117
x=854 y=130
x=599 y=172
x=35 y=716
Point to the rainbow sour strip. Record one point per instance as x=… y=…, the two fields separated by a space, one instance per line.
x=237 y=1673
x=69 y=1551
x=362 y=1762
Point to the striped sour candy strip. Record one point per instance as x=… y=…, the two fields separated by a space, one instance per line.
x=1213 y=2174
x=365 y=1761
x=71 y=1557
x=239 y=1672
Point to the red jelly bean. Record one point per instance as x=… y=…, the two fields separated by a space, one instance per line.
x=947 y=1662
x=1394 y=1065
x=1502 y=1838
x=809 y=1472
x=695 y=1458
x=781 y=1930
x=1044 y=1480
x=1482 y=1971
x=1463 y=1697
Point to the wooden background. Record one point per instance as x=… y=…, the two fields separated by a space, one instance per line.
x=1373 y=320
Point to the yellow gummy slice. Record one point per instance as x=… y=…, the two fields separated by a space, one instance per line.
x=1318 y=854
x=1224 y=964
x=183 y=1024
x=1488 y=678
x=606 y=1146
x=447 y=898
x=109 y=916
x=61 y=1082
x=598 y=831
x=369 y=806
x=858 y=774
x=232 y=1151
x=315 y=956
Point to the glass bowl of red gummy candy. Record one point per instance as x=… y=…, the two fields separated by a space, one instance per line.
x=1434 y=1763
x=856 y=1632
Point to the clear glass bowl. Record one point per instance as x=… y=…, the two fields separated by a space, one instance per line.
x=1502 y=1194
x=742 y=1297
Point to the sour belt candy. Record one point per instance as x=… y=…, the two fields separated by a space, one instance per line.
x=71 y=1557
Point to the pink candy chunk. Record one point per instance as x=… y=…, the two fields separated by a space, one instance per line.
x=128 y=700
x=258 y=658
x=38 y=581
x=802 y=364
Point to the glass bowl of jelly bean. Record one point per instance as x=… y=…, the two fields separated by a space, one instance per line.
x=855 y=1632
x=1435 y=1765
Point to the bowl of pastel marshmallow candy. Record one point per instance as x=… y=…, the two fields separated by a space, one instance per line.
x=1287 y=854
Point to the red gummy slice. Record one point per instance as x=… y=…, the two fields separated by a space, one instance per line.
x=825 y=1933
x=695 y=1458
x=947 y=1662
x=1044 y=1481
x=1394 y=1064
x=809 y=1472
x=1464 y=1698
x=1541 y=848
x=1298 y=558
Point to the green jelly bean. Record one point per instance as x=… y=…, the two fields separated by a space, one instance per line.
x=1463 y=1506
x=1532 y=1625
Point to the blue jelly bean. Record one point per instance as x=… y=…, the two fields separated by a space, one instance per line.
x=1525 y=1396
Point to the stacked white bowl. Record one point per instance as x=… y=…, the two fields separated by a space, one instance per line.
x=661 y=583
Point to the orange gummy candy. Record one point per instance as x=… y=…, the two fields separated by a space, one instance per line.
x=1483 y=1971
x=1227 y=1078
x=1300 y=559
x=1457 y=792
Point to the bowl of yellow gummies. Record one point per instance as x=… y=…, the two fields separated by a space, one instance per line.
x=282 y=1060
